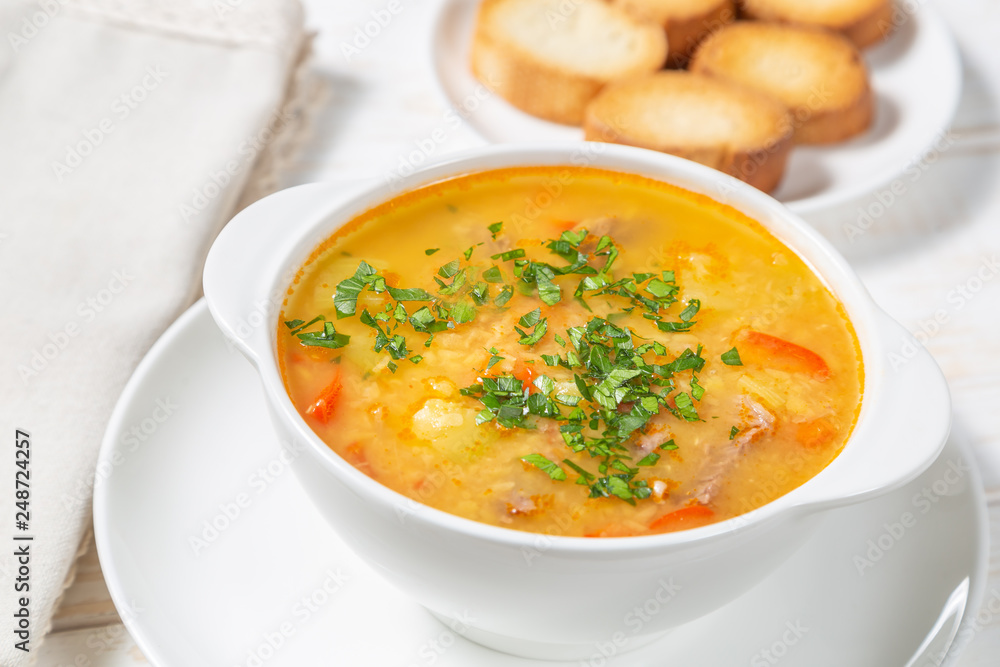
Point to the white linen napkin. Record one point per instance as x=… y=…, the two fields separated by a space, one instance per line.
x=129 y=129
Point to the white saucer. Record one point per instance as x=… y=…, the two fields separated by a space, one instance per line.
x=916 y=75
x=189 y=443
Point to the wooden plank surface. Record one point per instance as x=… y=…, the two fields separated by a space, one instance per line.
x=930 y=242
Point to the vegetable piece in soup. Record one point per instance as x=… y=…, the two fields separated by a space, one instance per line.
x=570 y=351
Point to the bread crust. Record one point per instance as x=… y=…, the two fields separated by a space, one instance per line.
x=823 y=112
x=761 y=165
x=866 y=29
x=684 y=30
x=541 y=88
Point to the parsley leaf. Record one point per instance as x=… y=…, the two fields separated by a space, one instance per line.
x=732 y=358
x=545 y=465
x=412 y=294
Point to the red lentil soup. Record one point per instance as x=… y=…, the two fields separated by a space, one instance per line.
x=570 y=351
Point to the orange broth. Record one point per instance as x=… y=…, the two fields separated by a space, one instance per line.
x=512 y=416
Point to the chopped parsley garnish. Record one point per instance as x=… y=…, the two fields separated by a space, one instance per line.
x=552 y=469
x=327 y=337
x=620 y=380
x=733 y=432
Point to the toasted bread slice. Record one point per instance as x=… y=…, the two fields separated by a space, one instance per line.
x=721 y=125
x=817 y=74
x=551 y=57
x=864 y=22
x=686 y=22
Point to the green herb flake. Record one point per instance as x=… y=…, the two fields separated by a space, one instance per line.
x=649 y=460
x=493 y=275
x=517 y=253
x=545 y=384
x=413 y=294
x=693 y=306
x=449 y=269
x=431 y=251
x=530 y=319
x=539 y=332
x=686 y=407
x=463 y=312
x=733 y=432
x=551 y=468
x=697 y=391
x=495 y=229
x=345 y=299
x=506 y=292
x=328 y=337
x=732 y=358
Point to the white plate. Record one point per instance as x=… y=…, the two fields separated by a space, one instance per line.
x=916 y=75
x=275 y=586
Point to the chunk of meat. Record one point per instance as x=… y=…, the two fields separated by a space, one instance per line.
x=762 y=349
x=756 y=422
x=656 y=434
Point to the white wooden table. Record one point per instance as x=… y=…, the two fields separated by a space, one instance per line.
x=941 y=237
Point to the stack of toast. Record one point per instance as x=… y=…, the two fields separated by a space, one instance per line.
x=760 y=77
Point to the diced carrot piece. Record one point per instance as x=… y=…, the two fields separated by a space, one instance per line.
x=524 y=372
x=326 y=404
x=815 y=434
x=391 y=279
x=686 y=517
x=612 y=530
x=773 y=352
x=564 y=225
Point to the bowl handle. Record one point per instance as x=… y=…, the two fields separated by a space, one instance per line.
x=907 y=431
x=244 y=278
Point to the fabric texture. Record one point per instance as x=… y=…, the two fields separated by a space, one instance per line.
x=130 y=132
